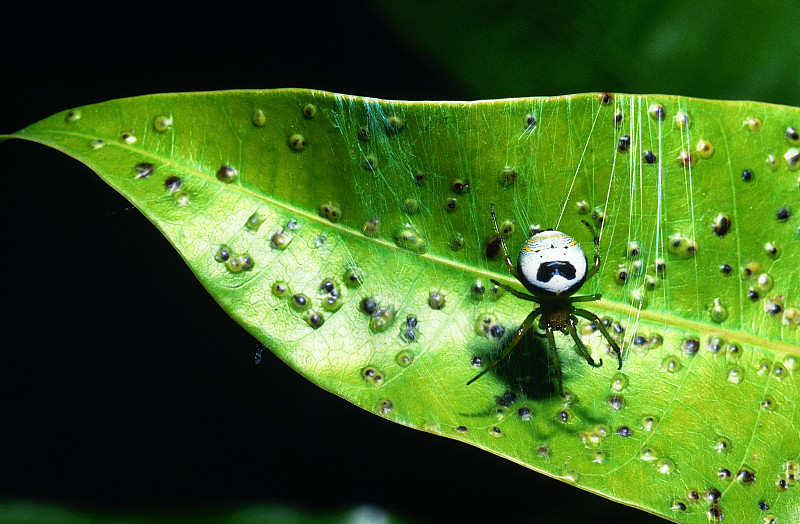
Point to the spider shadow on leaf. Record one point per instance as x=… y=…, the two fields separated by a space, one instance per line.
x=528 y=369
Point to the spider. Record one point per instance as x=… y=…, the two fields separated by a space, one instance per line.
x=552 y=266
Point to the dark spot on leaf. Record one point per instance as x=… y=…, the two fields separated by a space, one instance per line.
x=713 y=495
x=657 y=111
x=394 y=124
x=686 y=159
x=615 y=401
x=223 y=254
x=774 y=308
x=300 y=300
x=314 y=320
x=746 y=476
x=714 y=344
x=327 y=285
x=690 y=345
x=497 y=331
x=370 y=163
x=436 y=300
x=722 y=225
x=143 y=169
x=460 y=186
x=507 y=176
x=309 y=111
x=369 y=306
x=246 y=261
x=226 y=173
x=506 y=399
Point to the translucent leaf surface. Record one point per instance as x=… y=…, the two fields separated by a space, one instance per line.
x=292 y=207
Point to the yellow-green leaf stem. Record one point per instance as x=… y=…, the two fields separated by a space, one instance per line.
x=298 y=210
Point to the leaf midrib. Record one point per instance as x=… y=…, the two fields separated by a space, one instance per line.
x=653 y=316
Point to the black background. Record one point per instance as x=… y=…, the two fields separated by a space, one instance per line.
x=123 y=384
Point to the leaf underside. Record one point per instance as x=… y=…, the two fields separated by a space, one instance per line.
x=390 y=201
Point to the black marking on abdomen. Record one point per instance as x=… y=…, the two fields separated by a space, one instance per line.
x=557 y=267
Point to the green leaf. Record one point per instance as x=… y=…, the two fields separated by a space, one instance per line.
x=270 y=196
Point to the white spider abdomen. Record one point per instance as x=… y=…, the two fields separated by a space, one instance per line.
x=552 y=263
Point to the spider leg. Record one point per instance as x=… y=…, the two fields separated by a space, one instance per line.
x=551 y=342
x=586 y=298
x=596 y=265
x=581 y=348
x=591 y=316
x=518 y=294
x=526 y=324
x=509 y=263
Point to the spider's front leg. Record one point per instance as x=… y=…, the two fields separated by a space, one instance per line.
x=509 y=263
x=526 y=325
x=591 y=316
x=582 y=351
x=596 y=238
x=586 y=298
x=518 y=294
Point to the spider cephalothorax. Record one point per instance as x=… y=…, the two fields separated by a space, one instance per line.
x=552 y=266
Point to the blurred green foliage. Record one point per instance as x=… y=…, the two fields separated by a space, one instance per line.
x=33 y=512
x=736 y=50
